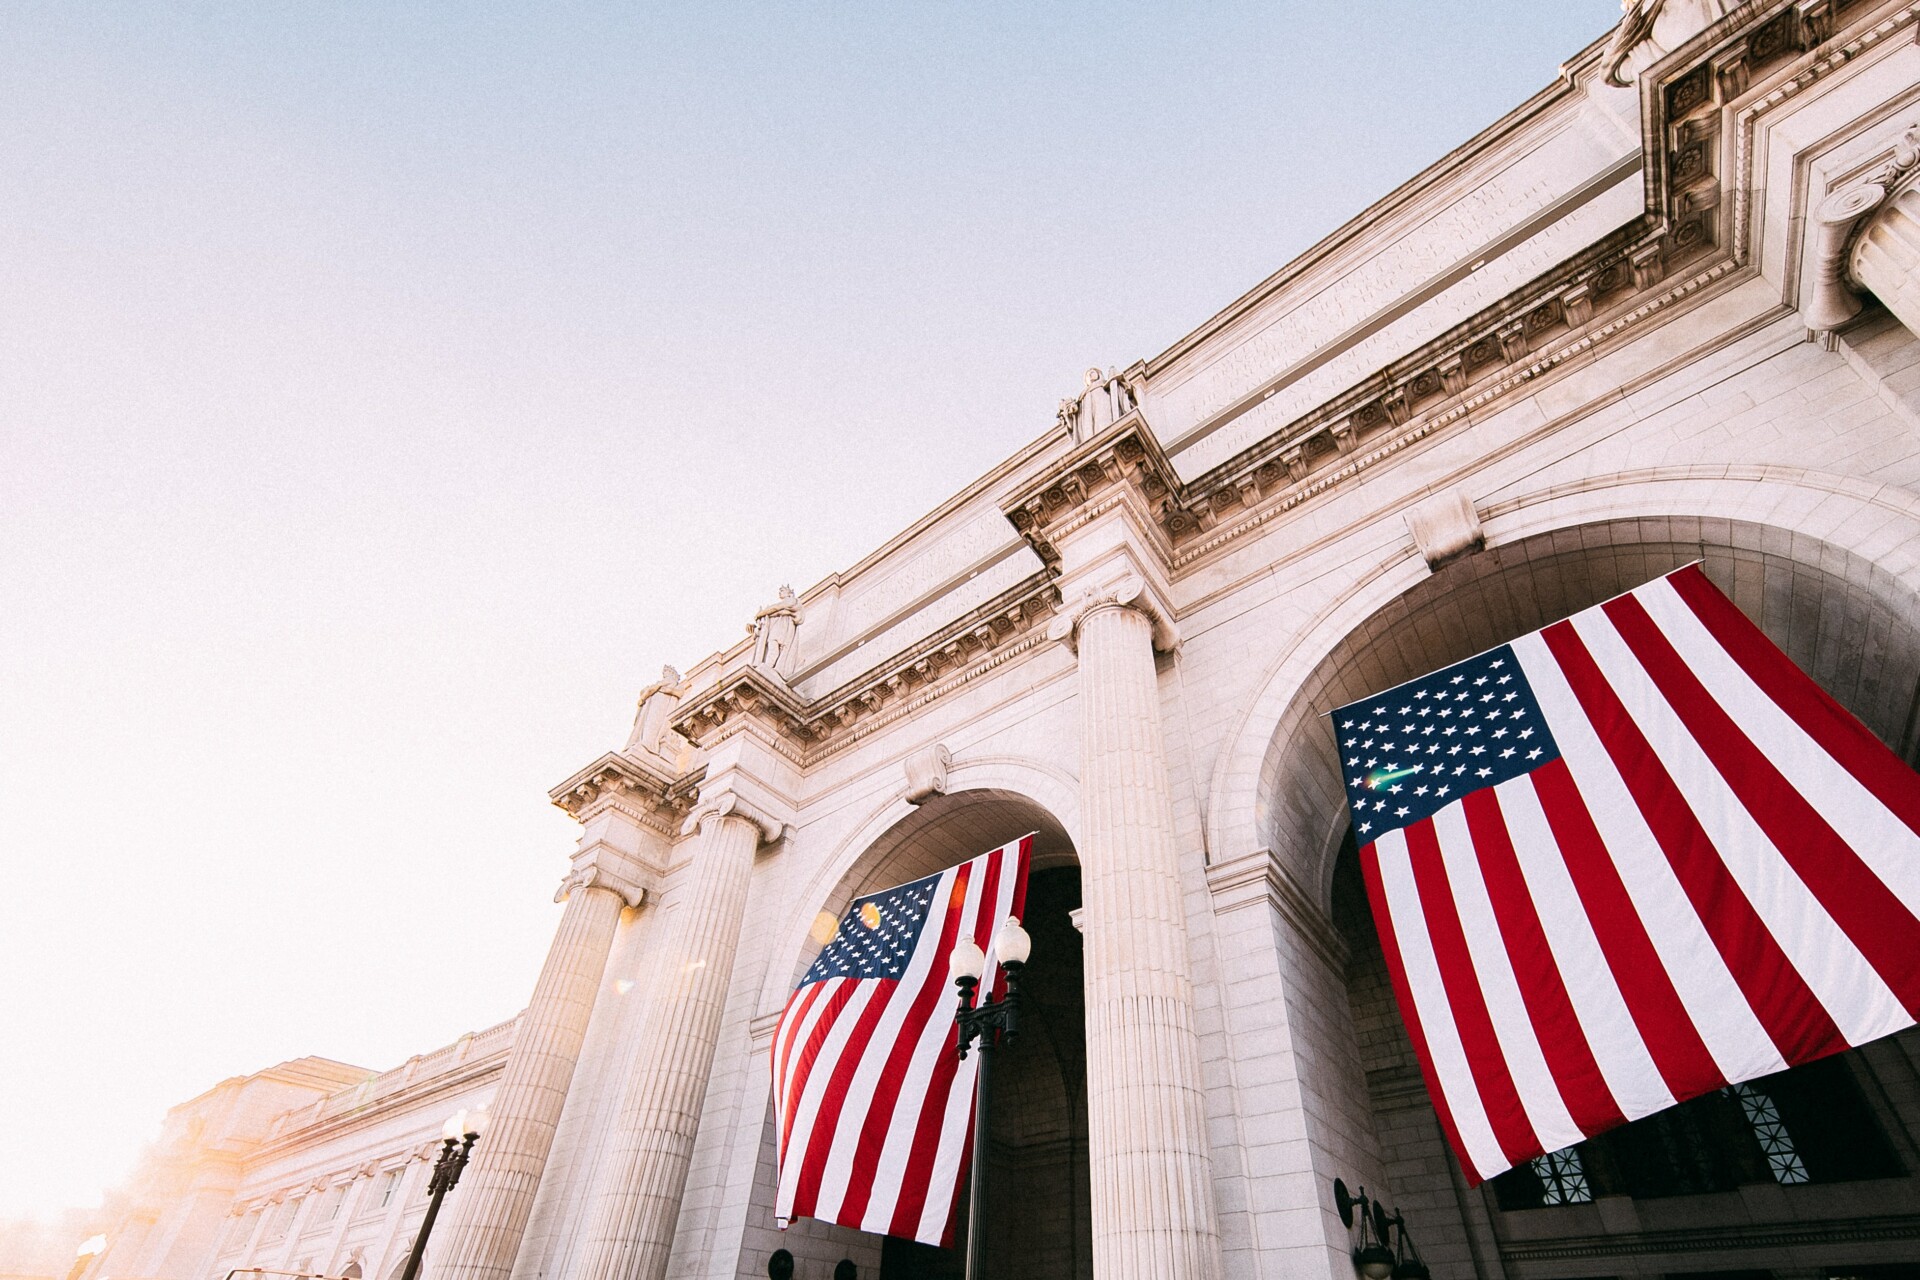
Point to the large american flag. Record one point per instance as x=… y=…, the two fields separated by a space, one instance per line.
x=873 y=1107
x=1626 y=860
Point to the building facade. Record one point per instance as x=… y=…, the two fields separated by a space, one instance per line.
x=1664 y=311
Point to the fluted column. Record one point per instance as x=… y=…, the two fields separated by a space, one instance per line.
x=630 y=1225
x=496 y=1195
x=1152 y=1196
x=1886 y=256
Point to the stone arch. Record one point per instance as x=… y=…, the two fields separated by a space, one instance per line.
x=1861 y=539
x=1040 y=1122
x=1017 y=786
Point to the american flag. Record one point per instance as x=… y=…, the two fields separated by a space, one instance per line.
x=1626 y=860
x=873 y=1106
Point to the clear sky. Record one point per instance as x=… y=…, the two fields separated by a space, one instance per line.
x=388 y=389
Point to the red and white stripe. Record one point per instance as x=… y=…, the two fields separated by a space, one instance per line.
x=1719 y=878
x=872 y=1106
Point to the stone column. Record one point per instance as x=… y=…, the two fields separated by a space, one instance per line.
x=1152 y=1194
x=496 y=1194
x=630 y=1225
x=1886 y=256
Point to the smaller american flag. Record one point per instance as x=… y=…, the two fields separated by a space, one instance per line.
x=872 y=1105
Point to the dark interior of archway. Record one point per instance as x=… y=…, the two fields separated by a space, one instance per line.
x=1040 y=1226
x=1840 y=1120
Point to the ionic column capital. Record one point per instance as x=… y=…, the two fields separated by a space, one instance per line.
x=1849 y=250
x=1129 y=592
x=630 y=884
x=768 y=820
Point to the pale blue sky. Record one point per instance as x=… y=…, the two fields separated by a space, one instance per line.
x=387 y=390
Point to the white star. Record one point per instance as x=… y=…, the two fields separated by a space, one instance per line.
x=1499 y=733
x=1458 y=680
x=1535 y=754
x=1525 y=734
x=1401 y=813
x=1482 y=772
x=1346 y=724
x=1420 y=791
x=1454 y=750
x=1352 y=761
x=1366 y=826
x=1405 y=710
x=1444 y=790
x=1477 y=751
x=1394 y=789
x=1499 y=662
x=1482 y=680
x=1507 y=753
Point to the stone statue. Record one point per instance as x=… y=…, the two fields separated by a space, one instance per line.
x=656 y=706
x=774 y=628
x=1651 y=29
x=1103 y=401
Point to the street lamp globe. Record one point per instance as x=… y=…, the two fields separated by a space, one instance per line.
x=1012 y=945
x=966 y=961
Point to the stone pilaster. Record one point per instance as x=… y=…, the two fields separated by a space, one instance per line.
x=496 y=1195
x=1152 y=1194
x=630 y=1225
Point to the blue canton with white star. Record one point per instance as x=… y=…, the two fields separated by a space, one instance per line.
x=1417 y=748
x=877 y=936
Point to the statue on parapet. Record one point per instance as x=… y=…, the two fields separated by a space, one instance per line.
x=656 y=706
x=1103 y=401
x=1651 y=29
x=774 y=630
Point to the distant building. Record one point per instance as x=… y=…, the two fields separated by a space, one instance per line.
x=1665 y=310
x=312 y=1166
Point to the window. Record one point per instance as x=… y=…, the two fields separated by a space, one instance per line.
x=336 y=1196
x=389 y=1185
x=1776 y=1144
x=1559 y=1177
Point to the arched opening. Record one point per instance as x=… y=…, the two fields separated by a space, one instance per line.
x=1037 y=1161
x=1680 y=1191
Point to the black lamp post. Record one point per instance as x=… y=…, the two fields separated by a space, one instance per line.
x=992 y=1021
x=456 y=1144
x=1378 y=1255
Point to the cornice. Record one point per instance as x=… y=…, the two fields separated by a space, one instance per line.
x=628 y=784
x=463 y=1077
x=1126 y=454
x=1688 y=243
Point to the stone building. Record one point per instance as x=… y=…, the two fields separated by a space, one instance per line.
x=1664 y=311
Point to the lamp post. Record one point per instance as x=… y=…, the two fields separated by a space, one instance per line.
x=457 y=1137
x=993 y=1020
x=1378 y=1256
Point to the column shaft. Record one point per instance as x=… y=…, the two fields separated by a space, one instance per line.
x=1153 y=1213
x=1886 y=256
x=631 y=1224
x=496 y=1193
